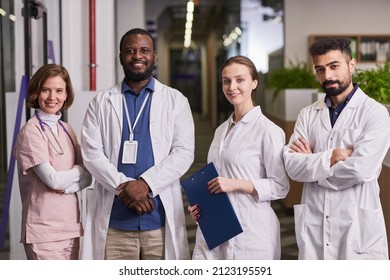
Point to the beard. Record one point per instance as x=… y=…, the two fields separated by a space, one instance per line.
x=138 y=76
x=334 y=91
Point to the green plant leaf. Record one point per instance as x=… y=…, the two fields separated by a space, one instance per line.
x=296 y=75
x=375 y=82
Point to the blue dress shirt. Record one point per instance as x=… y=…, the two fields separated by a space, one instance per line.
x=122 y=217
x=334 y=112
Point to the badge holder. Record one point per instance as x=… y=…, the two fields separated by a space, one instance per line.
x=130 y=152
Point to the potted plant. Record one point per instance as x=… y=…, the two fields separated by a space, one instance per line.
x=375 y=83
x=289 y=89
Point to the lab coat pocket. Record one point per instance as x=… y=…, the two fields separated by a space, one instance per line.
x=300 y=212
x=369 y=233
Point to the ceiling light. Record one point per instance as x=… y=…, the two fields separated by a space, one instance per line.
x=188 y=25
x=234 y=35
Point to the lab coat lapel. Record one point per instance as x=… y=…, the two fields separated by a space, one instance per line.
x=324 y=115
x=222 y=139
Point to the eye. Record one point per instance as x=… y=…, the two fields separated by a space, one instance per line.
x=225 y=81
x=60 y=91
x=240 y=80
x=319 y=70
x=334 y=66
x=130 y=51
x=145 y=51
x=45 y=90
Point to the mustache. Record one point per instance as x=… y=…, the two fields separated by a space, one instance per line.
x=330 y=82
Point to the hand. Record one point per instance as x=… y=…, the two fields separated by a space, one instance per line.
x=340 y=155
x=301 y=146
x=195 y=212
x=133 y=192
x=222 y=184
x=144 y=206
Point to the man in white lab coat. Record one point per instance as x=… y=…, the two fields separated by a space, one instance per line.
x=137 y=141
x=337 y=150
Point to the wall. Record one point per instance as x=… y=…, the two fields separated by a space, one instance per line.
x=128 y=15
x=304 y=18
x=260 y=38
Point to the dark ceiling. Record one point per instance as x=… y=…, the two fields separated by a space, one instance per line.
x=208 y=15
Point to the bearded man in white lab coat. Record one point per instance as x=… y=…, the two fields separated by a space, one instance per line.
x=137 y=141
x=337 y=150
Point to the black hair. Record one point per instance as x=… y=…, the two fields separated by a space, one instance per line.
x=322 y=46
x=134 y=31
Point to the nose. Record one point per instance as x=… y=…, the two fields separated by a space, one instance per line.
x=328 y=74
x=137 y=54
x=232 y=85
x=51 y=94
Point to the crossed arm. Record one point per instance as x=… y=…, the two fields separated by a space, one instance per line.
x=302 y=146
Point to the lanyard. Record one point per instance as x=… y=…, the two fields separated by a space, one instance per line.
x=61 y=151
x=131 y=128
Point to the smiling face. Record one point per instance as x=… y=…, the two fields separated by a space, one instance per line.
x=238 y=85
x=53 y=95
x=137 y=57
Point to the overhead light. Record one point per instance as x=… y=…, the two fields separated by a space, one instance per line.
x=12 y=17
x=234 y=35
x=188 y=25
x=2 y=12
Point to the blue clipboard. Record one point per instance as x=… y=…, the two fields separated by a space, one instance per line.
x=218 y=220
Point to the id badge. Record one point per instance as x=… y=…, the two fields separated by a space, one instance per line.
x=130 y=152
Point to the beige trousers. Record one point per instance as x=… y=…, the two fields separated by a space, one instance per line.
x=135 y=245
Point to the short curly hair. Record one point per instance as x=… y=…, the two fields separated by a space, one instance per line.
x=136 y=31
x=324 y=45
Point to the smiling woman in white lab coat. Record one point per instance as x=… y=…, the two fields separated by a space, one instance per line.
x=247 y=152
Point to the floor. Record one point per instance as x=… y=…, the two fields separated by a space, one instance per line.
x=204 y=134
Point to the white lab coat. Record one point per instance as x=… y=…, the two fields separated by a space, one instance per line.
x=172 y=134
x=340 y=215
x=252 y=151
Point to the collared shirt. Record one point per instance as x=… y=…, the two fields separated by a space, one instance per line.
x=334 y=112
x=122 y=217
